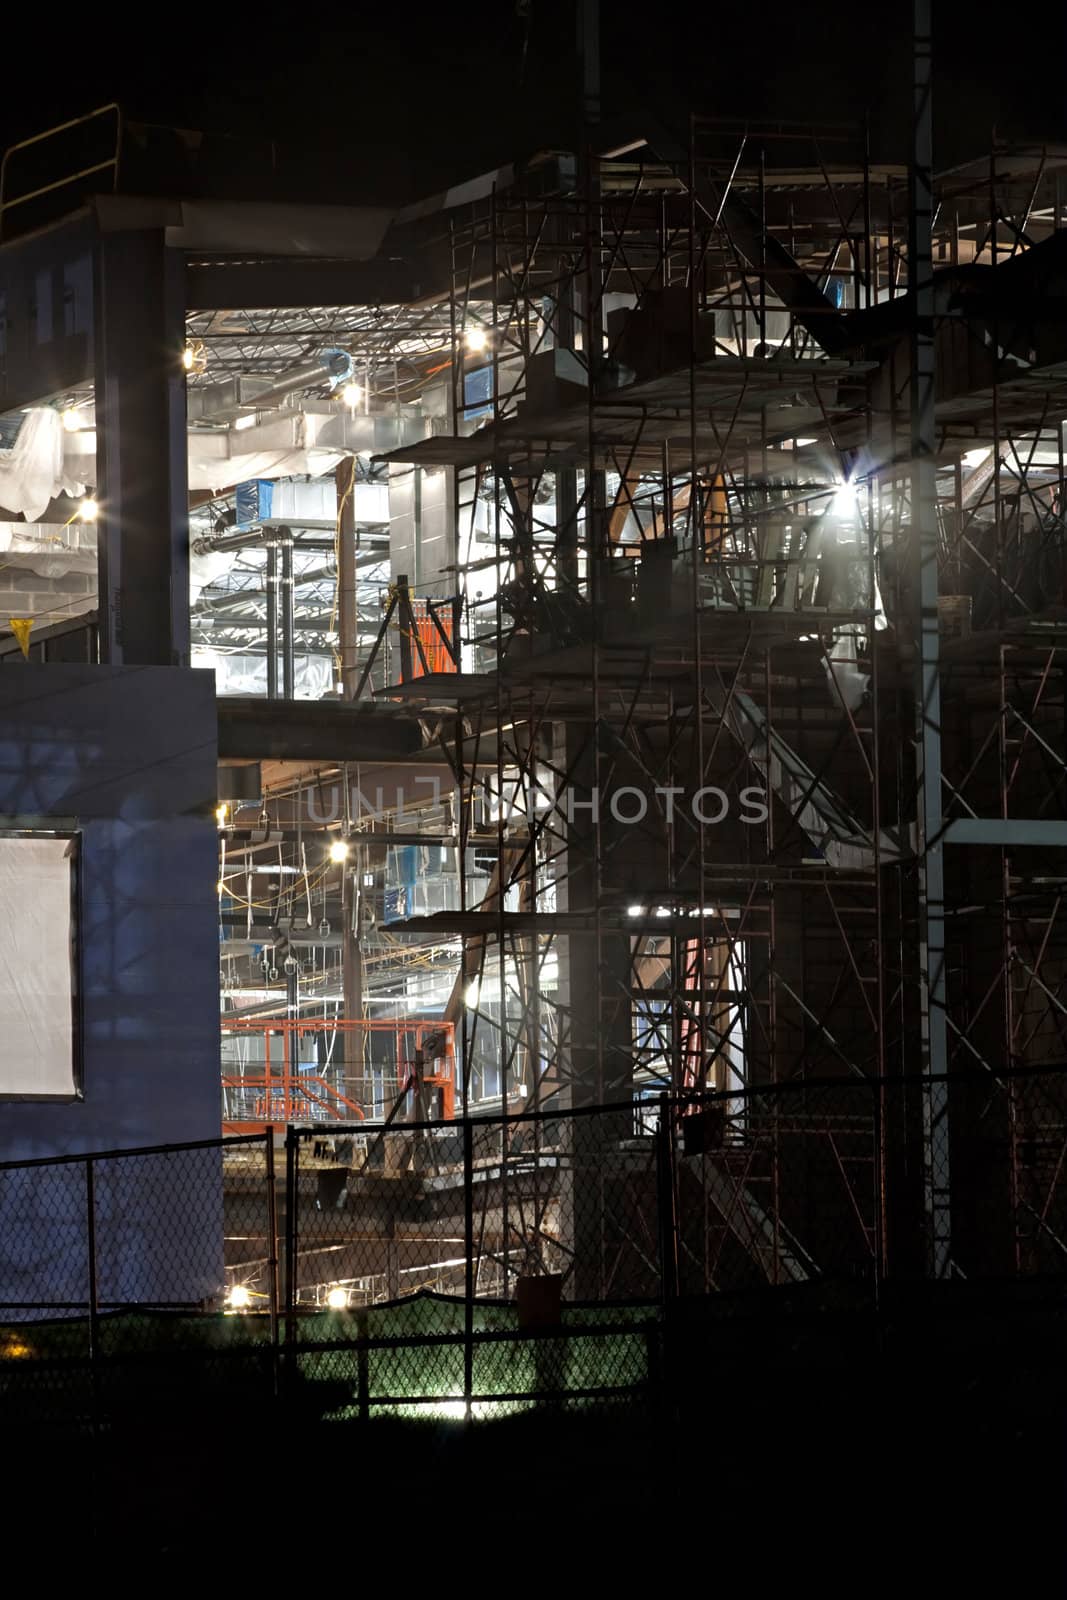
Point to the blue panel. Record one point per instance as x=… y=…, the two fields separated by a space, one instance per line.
x=253 y=501
x=131 y=753
x=478 y=392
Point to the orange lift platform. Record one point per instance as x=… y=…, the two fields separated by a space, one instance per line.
x=276 y=1088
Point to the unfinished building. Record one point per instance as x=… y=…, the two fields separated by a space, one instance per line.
x=635 y=587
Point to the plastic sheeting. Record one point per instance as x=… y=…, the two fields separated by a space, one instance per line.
x=247 y=674
x=49 y=550
x=32 y=472
x=206 y=569
x=215 y=475
x=36 y=1014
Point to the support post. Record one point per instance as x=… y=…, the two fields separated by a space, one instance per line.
x=287 y=616
x=923 y=589
x=352 y=978
x=141 y=451
x=347 y=594
x=406 y=627
x=292 y=1179
x=272 y=619
x=668 y=1232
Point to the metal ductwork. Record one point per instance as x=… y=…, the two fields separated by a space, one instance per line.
x=332 y=367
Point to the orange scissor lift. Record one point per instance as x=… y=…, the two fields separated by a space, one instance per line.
x=275 y=1090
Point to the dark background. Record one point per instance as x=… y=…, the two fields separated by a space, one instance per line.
x=401 y=99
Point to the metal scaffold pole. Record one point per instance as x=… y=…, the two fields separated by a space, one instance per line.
x=924 y=591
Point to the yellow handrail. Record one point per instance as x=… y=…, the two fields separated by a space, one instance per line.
x=7 y=205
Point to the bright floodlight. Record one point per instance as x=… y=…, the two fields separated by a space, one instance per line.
x=843 y=503
x=337 y=1298
x=352 y=394
x=188 y=357
x=239 y=1298
x=476 y=339
x=88 y=511
x=221 y=813
x=70 y=420
x=339 y=850
x=248 y=420
x=634 y=911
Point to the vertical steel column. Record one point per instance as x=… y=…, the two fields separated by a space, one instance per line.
x=141 y=450
x=353 y=1039
x=347 y=593
x=272 y=619
x=287 y=616
x=923 y=589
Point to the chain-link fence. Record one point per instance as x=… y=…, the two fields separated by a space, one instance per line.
x=483 y=1266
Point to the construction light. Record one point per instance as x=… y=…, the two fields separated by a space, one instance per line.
x=843 y=503
x=88 y=511
x=70 y=419
x=476 y=339
x=337 y=1298
x=188 y=357
x=339 y=851
x=635 y=911
x=221 y=813
x=239 y=1298
x=352 y=394
x=247 y=421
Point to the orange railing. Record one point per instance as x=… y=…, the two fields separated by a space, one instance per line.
x=272 y=1090
x=435 y=640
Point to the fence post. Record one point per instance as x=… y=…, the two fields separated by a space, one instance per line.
x=292 y=1178
x=469 y=1284
x=665 y=1205
x=272 y=1254
x=881 y=1244
x=90 y=1244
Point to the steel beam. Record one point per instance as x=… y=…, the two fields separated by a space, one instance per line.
x=1004 y=832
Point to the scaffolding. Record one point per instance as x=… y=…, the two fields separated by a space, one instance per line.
x=696 y=554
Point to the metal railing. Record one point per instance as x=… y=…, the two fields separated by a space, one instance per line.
x=9 y=202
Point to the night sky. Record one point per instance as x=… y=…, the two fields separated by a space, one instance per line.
x=402 y=99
